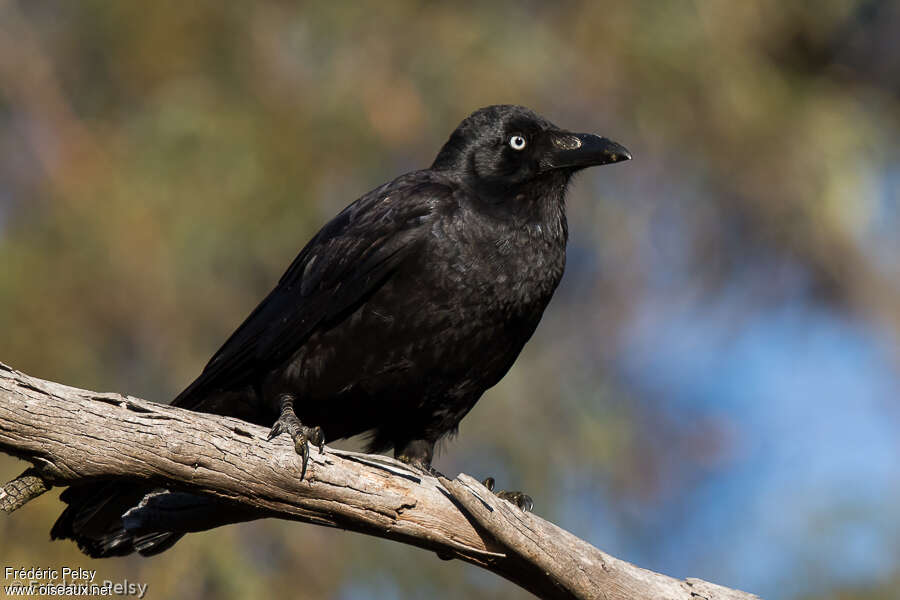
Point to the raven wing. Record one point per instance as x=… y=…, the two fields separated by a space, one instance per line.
x=349 y=259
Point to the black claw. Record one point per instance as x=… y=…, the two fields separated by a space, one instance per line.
x=317 y=437
x=523 y=501
x=301 y=446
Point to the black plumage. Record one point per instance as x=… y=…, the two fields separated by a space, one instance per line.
x=398 y=315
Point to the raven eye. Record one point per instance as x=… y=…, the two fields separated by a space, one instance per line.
x=517 y=142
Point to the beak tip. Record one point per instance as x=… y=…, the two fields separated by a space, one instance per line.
x=620 y=153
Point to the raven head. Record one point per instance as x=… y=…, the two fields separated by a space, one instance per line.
x=499 y=149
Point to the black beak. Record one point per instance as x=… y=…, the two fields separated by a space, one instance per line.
x=580 y=150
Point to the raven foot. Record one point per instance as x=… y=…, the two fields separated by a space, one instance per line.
x=522 y=500
x=300 y=433
x=416 y=453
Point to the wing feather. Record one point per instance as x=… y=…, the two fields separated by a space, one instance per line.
x=348 y=260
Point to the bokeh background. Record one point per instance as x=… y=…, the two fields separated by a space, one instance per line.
x=713 y=392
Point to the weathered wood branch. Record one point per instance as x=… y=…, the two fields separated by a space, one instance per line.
x=72 y=435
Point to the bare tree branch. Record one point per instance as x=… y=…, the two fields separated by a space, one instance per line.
x=72 y=436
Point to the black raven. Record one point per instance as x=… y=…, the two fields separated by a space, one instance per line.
x=397 y=316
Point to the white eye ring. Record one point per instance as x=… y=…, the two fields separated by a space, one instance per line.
x=517 y=142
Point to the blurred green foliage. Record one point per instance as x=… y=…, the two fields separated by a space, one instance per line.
x=163 y=162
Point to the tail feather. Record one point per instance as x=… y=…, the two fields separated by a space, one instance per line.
x=93 y=519
x=120 y=518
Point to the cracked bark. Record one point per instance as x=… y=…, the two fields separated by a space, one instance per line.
x=71 y=435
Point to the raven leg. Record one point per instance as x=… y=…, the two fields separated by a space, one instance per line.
x=417 y=453
x=520 y=499
x=300 y=433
